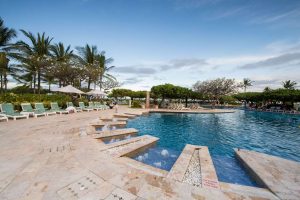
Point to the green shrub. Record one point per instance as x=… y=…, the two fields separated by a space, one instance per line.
x=136 y=104
x=82 y=99
x=23 y=89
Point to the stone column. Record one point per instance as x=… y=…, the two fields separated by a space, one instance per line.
x=147 y=100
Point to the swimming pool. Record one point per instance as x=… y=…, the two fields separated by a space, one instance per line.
x=271 y=133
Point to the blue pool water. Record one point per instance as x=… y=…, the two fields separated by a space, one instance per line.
x=117 y=139
x=271 y=133
x=158 y=157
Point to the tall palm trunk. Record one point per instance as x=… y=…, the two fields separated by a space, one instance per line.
x=39 y=82
x=1 y=80
x=89 y=83
x=100 y=84
x=34 y=83
x=5 y=81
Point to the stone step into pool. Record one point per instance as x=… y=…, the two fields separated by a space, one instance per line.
x=109 y=125
x=110 y=136
x=114 y=119
x=130 y=146
x=119 y=115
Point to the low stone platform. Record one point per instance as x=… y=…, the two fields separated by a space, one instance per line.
x=109 y=119
x=113 y=133
x=130 y=146
x=136 y=113
x=122 y=115
x=109 y=123
x=279 y=175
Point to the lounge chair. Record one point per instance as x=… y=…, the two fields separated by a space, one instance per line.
x=40 y=107
x=98 y=105
x=70 y=104
x=27 y=109
x=92 y=106
x=3 y=117
x=83 y=107
x=57 y=109
x=8 y=110
x=104 y=106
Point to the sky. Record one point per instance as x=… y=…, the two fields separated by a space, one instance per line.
x=174 y=41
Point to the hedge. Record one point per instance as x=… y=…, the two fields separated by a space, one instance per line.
x=283 y=95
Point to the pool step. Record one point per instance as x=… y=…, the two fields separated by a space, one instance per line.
x=114 y=133
x=195 y=166
x=130 y=146
x=120 y=115
x=109 y=123
x=279 y=175
x=111 y=119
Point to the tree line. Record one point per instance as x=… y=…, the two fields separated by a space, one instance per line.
x=38 y=60
x=217 y=90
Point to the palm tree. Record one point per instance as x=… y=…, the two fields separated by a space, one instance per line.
x=62 y=66
x=290 y=85
x=267 y=89
x=103 y=63
x=36 y=52
x=3 y=70
x=28 y=73
x=6 y=34
x=246 y=83
x=88 y=59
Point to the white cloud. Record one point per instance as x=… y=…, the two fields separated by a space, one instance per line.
x=282 y=61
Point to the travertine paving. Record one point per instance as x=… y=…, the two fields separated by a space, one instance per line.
x=109 y=123
x=57 y=157
x=114 y=133
x=281 y=176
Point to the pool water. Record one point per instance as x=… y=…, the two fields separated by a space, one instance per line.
x=117 y=139
x=272 y=133
x=107 y=128
x=158 y=157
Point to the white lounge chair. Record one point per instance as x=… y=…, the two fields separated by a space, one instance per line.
x=8 y=110
x=3 y=117
x=27 y=109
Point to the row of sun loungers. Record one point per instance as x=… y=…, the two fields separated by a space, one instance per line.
x=275 y=110
x=195 y=106
x=177 y=106
x=8 y=112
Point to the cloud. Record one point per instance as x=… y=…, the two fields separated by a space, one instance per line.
x=227 y=13
x=135 y=70
x=193 y=4
x=284 y=60
x=291 y=14
x=132 y=80
x=191 y=63
x=284 y=46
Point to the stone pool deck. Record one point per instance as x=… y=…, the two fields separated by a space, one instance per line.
x=281 y=176
x=53 y=158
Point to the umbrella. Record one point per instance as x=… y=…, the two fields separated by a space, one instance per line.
x=97 y=93
x=70 y=89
